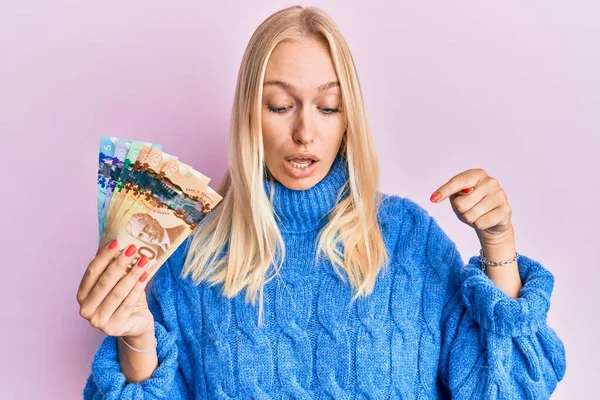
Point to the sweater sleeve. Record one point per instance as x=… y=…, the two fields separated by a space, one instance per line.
x=106 y=380
x=491 y=345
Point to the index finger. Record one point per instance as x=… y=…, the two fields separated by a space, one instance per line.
x=95 y=268
x=465 y=180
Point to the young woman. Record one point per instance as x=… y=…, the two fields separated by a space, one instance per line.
x=306 y=281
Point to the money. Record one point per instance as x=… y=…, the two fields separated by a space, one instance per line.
x=157 y=202
x=180 y=189
x=132 y=155
x=129 y=184
x=147 y=166
x=195 y=199
x=105 y=156
x=120 y=153
x=152 y=227
x=136 y=181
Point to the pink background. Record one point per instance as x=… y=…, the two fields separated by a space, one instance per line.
x=511 y=87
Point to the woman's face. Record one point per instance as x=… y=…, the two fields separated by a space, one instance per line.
x=301 y=113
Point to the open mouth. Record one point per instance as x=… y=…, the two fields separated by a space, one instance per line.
x=301 y=162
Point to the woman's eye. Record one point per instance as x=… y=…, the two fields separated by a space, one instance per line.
x=278 y=110
x=330 y=111
x=283 y=110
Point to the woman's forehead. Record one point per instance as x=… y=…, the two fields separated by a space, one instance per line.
x=301 y=65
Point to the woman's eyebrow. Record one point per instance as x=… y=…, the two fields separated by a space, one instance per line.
x=291 y=88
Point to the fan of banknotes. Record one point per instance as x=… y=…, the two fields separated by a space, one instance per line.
x=148 y=198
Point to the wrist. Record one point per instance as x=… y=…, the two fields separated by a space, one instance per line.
x=145 y=340
x=500 y=250
x=506 y=277
x=499 y=254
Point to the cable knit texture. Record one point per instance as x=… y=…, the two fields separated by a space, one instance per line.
x=434 y=327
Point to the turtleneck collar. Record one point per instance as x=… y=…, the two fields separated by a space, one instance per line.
x=300 y=211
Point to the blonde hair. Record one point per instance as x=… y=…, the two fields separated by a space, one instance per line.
x=239 y=242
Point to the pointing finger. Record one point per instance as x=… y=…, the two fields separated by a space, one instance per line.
x=460 y=184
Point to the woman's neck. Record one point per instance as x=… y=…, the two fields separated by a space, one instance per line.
x=298 y=211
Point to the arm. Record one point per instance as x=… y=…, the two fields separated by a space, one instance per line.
x=138 y=367
x=493 y=345
x=505 y=277
x=107 y=380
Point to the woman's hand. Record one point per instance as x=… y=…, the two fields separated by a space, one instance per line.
x=478 y=200
x=112 y=299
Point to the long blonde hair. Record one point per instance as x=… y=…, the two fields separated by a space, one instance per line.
x=239 y=242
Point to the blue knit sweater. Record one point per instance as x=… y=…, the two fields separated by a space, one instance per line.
x=432 y=327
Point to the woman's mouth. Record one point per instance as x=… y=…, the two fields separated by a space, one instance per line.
x=300 y=167
x=300 y=162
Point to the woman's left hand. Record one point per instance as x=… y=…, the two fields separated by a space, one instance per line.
x=478 y=200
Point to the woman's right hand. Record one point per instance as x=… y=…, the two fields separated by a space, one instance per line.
x=112 y=299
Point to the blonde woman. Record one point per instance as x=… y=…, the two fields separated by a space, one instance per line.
x=306 y=281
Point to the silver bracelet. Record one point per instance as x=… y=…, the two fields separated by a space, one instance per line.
x=138 y=350
x=487 y=263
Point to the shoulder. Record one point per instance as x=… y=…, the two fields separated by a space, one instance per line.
x=394 y=209
x=415 y=233
x=403 y=225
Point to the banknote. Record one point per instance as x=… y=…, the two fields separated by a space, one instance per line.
x=179 y=186
x=157 y=222
x=197 y=203
x=132 y=155
x=157 y=230
x=156 y=202
x=129 y=184
x=121 y=150
x=194 y=200
x=105 y=156
x=153 y=228
x=149 y=162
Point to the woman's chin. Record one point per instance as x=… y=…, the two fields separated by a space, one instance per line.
x=298 y=184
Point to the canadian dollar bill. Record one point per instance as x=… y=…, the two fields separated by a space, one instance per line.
x=132 y=155
x=121 y=150
x=172 y=200
x=151 y=199
x=149 y=159
x=106 y=152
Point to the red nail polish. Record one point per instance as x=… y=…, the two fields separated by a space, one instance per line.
x=112 y=244
x=434 y=197
x=143 y=261
x=467 y=190
x=130 y=250
x=143 y=277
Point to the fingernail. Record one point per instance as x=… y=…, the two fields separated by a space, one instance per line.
x=467 y=190
x=112 y=244
x=130 y=250
x=143 y=277
x=143 y=261
x=434 y=197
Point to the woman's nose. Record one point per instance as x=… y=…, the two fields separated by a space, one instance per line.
x=304 y=130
